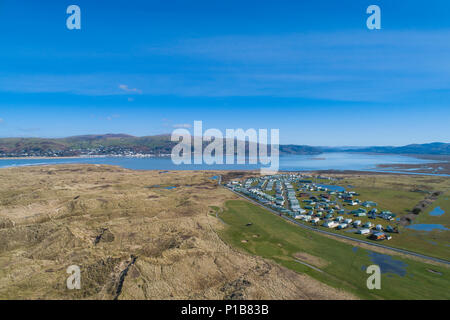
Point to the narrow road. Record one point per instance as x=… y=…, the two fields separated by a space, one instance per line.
x=308 y=265
x=342 y=236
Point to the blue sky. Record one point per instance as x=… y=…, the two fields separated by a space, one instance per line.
x=309 y=68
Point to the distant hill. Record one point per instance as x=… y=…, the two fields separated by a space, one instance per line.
x=124 y=144
x=86 y=144
x=298 y=149
x=107 y=144
x=435 y=148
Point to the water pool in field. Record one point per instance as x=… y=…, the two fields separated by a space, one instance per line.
x=427 y=227
x=387 y=264
x=437 y=212
x=331 y=187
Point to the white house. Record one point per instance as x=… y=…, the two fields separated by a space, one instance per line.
x=330 y=224
x=315 y=220
x=368 y=225
x=357 y=223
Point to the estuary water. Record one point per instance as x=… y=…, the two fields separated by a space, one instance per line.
x=325 y=161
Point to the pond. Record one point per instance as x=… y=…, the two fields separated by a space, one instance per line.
x=388 y=264
x=437 y=212
x=331 y=187
x=427 y=227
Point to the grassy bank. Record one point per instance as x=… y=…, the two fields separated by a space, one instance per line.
x=342 y=265
x=399 y=194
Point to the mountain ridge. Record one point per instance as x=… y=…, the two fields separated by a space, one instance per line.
x=433 y=148
x=122 y=144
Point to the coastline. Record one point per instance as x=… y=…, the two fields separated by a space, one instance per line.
x=425 y=168
x=83 y=157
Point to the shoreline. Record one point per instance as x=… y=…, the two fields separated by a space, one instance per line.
x=245 y=171
x=81 y=157
x=424 y=168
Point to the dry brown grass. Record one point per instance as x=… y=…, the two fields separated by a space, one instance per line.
x=311 y=259
x=132 y=239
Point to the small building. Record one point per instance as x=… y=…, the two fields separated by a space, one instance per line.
x=368 y=204
x=342 y=226
x=378 y=236
x=330 y=224
x=367 y=225
x=363 y=231
x=387 y=215
x=389 y=229
x=357 y=223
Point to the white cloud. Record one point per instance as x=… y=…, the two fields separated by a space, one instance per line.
x=125 y=88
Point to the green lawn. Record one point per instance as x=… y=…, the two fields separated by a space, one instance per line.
x=397 y=197
x=444 y=203
x=273 y=238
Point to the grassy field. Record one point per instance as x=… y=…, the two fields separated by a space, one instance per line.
x=100 y=217
x=342 y=264
x=399 y=194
